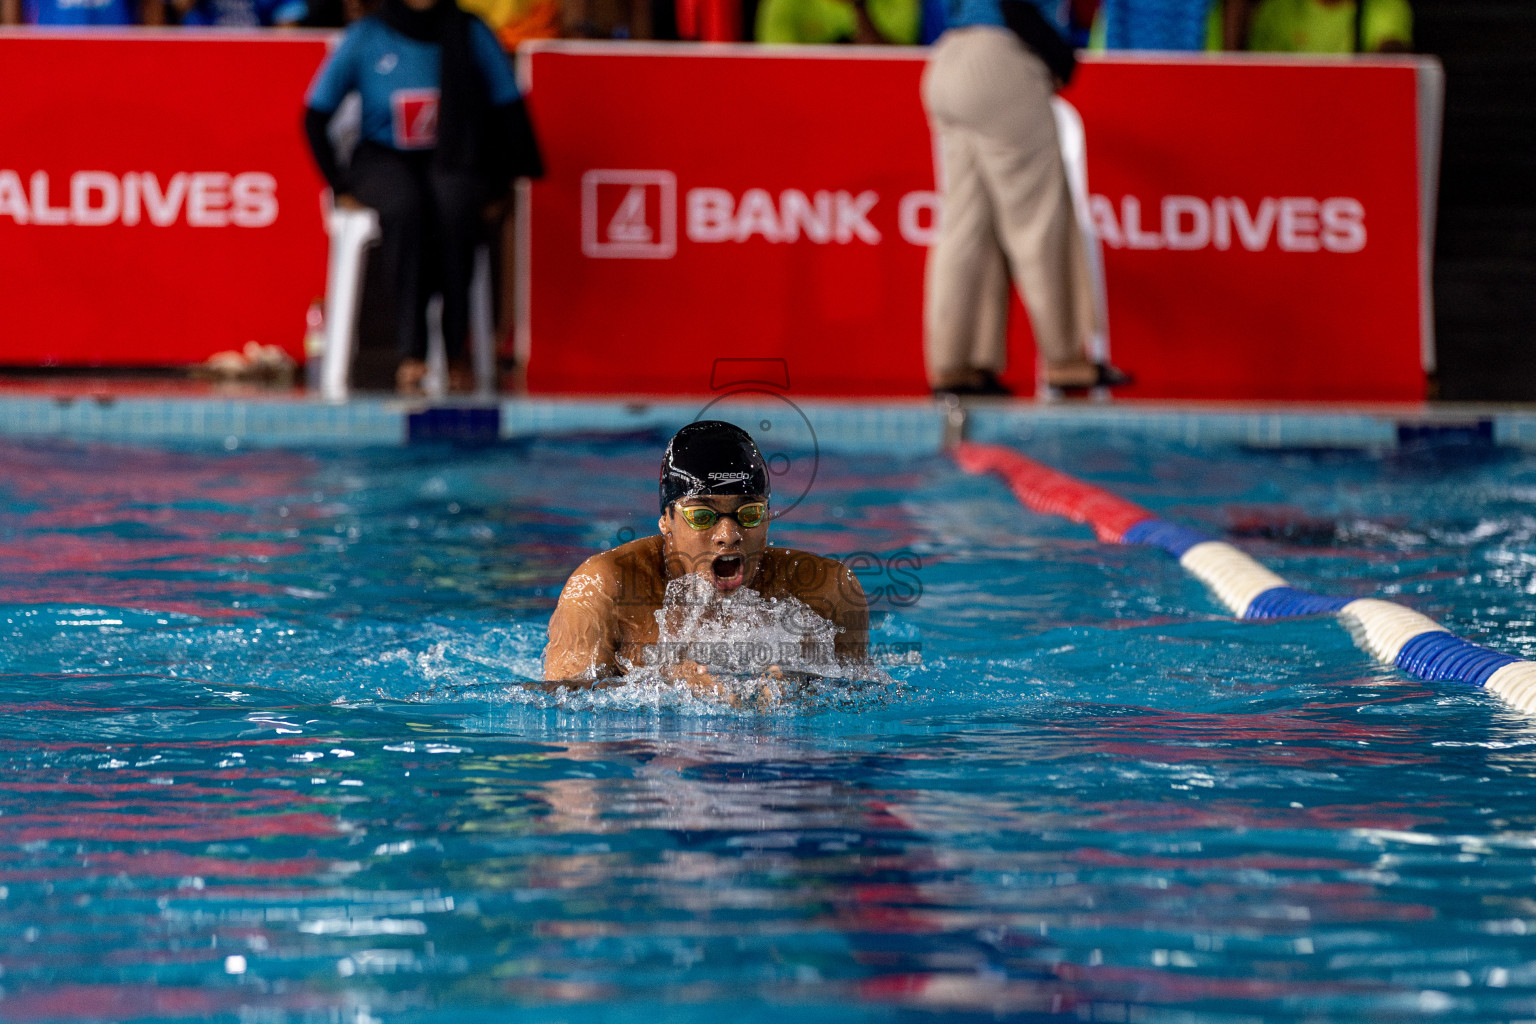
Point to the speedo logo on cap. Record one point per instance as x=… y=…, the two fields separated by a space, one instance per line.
x=730 y=478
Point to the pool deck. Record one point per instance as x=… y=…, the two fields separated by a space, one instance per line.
x=157 y=412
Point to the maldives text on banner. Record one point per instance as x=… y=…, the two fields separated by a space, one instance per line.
x=1264 y=222
x=157 y=201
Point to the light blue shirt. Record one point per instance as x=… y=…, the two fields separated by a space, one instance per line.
x=964 y=13
x=399 y=78
x=1155 y=24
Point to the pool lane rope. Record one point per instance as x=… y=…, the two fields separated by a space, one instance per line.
x=1393 y=634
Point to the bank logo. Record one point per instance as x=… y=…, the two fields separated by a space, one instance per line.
x=629 y=215
x=414 y=113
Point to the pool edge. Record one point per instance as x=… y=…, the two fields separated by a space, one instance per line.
x=901 y=426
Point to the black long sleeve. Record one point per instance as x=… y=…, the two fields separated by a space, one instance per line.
x=1039 y=35
x=315 y=124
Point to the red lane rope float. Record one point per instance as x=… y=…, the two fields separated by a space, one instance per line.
x=1045 y=490
x=1394 y=634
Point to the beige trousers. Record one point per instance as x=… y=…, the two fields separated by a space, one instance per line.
x=1006 y=207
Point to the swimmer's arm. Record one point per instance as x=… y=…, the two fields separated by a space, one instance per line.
x=851 y=614
x=836 y=595
x=583 y=640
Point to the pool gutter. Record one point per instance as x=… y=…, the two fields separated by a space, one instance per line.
x=904 y=426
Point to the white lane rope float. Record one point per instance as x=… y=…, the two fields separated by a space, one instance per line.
x=1392 y=633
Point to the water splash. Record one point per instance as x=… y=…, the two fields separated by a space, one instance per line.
x=740 y=633
x=719 y=653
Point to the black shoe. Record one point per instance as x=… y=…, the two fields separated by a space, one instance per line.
x=983 y=385
x=1105 y=375
x=1111 y=376
x=989 y=386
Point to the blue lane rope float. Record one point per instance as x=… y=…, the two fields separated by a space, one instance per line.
x=1393 y=634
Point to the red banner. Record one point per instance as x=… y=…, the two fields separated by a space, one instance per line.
x=157 y=200
x=1260 y=219
x=1260 y=225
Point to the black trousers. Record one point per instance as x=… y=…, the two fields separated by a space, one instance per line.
x=430 y=221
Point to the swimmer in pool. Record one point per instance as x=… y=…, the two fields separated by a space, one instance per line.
x=714 y=526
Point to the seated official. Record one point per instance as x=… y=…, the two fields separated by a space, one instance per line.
x=444 y=132
x=714 y=526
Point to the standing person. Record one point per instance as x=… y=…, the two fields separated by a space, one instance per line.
x=1158 y=25
x=240 y=13
x=1006 y=210
x=868 y=22
x=80 y=13
x=517 y=21
x=1330 y=26
x=444 y=133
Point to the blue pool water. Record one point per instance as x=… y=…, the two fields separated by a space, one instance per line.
x=264 y=755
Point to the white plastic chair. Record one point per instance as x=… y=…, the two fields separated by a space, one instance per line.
x=351 y=233
x=1074 y=154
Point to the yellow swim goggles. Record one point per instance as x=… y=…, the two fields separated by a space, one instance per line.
x=702 y=517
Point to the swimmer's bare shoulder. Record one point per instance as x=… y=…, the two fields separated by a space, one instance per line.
x=830 y=588
x=606 y=600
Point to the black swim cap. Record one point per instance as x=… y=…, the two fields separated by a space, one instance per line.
x=712 y=457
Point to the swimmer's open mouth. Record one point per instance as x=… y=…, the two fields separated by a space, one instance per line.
x=727 y=571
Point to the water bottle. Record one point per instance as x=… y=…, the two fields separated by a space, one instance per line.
x=314 y=345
